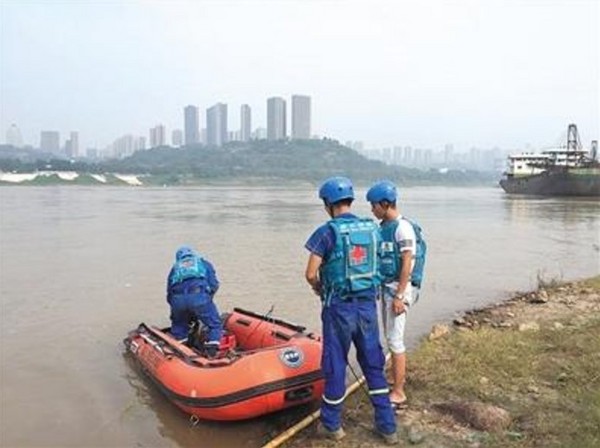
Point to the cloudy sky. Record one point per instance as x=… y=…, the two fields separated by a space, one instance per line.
x=423 y=73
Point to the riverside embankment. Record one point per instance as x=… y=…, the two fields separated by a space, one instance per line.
x=521 y=373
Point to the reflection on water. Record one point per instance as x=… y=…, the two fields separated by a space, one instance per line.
x=566 y=210
x=81 y=266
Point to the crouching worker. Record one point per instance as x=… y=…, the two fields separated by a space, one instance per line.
x=191 y=286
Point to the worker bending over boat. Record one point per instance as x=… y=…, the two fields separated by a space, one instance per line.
x=191 y=286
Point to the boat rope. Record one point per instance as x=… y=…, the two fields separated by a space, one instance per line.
x=361 y=380
x=194 y=420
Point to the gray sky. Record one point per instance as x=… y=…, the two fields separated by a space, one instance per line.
x=421 y=73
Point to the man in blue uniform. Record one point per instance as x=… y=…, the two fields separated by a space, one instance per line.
x=342 y=270
x=191 y=286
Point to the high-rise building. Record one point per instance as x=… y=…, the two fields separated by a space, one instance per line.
x=427 y=157
x=13 y=136
x=276 y=118
x=124 y=146
x=245 y=123
x=397 y=155
x=191 y=125
x=386 y=155
x=72 y=145
x=448 y=154
x=418 y=157
x=300 y=116
x=408 y=155
x=157 y=136
x=260 y=133
x=50 y=141
x=177 y=138
x=216 y=125
x=475 y=157
x=139 y=144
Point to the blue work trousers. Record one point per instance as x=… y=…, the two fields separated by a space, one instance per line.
x=347 y=322
x=185 y=307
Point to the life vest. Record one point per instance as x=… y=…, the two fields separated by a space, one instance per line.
x=186 y=268
x=390 y=261
x=352 y=265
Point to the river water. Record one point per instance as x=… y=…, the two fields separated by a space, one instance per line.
x=80 y=267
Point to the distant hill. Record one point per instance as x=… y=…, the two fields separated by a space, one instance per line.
x=295 y=160
x=301 y=160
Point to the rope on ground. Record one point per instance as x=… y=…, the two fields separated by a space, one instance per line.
x=288 y=433
x=293 y=430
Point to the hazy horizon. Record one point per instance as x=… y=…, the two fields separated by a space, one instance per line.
x=419 y=73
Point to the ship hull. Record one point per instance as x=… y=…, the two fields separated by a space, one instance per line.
x=564 y=182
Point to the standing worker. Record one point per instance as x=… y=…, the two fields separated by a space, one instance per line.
x=400 y=290
x=342 y=270
x=191 y=286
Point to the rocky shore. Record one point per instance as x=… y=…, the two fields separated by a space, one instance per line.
x=521 y=373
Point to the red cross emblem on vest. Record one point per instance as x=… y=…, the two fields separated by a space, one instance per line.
x=358 y=255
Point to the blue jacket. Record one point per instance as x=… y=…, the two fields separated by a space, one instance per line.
x=198 y=279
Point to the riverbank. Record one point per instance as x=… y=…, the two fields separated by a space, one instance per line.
x=521 y=373
x=43 y=178
x=73 y=178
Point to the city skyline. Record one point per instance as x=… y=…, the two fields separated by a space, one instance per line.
x=192 y=131
x=424 y=73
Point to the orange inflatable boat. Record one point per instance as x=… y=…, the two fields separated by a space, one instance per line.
x=264 y=364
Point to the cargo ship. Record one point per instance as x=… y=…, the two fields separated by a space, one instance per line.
x=565 y=171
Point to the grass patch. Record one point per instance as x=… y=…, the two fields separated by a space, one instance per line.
x=548 y=380
x=593 y=283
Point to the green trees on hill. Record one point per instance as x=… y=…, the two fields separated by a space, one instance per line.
x=295 y=160
x=308 y=160
x=304 y=160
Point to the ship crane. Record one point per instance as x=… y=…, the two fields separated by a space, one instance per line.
x=573 y=141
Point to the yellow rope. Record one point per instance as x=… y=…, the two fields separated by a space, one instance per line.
x=288 y=433
x=285 y=435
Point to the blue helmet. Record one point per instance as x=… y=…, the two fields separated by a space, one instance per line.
x=382 y=191
x=336 y=189
x=183 y=252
